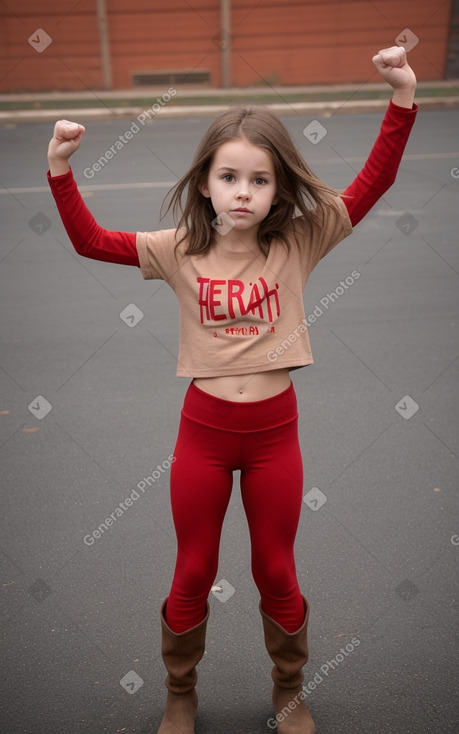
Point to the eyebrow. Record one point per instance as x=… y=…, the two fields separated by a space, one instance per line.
x=255 y=173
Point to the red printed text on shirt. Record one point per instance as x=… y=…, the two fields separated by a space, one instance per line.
x=221 y=300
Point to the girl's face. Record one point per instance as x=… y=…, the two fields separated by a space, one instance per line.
x=241 y=183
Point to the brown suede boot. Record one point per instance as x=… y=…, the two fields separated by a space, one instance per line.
x=289 y=652
x=181 y=653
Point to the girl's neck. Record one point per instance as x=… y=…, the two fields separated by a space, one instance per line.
x=238 y=242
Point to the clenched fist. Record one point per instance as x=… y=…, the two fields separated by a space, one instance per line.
x=66 y=140
x=394 y=68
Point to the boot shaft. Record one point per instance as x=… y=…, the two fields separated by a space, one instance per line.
x=288 y=650
x=182 y=652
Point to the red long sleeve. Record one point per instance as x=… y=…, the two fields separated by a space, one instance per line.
x=380 y=170
x=87 y=237
x=376 y=177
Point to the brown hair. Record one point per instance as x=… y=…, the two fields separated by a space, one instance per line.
x=298 y=189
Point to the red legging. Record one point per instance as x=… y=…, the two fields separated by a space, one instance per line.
x=215 y=438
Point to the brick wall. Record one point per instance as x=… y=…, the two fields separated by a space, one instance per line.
x=290 y=42
x=309 y=42
x=71 y=61
x=150 y=38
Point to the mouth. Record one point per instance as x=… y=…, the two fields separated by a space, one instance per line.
x=242 y=210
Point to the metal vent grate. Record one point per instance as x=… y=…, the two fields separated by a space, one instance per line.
x=160 y=78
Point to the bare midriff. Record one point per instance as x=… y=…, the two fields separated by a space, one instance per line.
x=246 y=388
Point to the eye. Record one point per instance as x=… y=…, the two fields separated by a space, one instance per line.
x=228 y=177
x=260 y=181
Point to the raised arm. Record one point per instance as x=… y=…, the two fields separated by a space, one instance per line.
x=380 y=169
x=87 y=237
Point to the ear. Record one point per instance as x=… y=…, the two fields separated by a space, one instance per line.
x=204 y=190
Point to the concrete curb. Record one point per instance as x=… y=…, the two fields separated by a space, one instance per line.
x=321 y=109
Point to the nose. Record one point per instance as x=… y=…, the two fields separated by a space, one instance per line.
x=244 y=191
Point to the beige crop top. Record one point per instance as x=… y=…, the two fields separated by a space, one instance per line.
x=240 y=314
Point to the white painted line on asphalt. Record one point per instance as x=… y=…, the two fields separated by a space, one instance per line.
x=94 y=187
x=168 y=184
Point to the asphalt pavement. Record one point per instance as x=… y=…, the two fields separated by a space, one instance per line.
x=89 y=411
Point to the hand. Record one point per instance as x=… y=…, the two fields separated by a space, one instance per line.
x=394 y=68
x=66 y=140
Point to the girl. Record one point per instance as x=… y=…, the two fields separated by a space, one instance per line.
x=253 y=221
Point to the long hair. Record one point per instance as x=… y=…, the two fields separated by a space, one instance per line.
x=299 y=190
